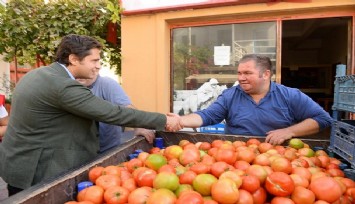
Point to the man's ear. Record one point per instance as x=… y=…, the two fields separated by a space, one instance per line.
x=73 y=59
x=267 y=74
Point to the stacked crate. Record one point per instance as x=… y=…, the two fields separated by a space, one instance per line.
x=342 y=139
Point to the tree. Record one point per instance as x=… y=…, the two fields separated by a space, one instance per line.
x=30 y=30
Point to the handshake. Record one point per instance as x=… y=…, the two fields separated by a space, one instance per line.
x=173 y=122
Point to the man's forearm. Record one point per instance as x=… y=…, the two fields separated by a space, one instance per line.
x=306 y=127
x=192 y=120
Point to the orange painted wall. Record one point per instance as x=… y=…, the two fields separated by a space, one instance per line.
x=146 y=41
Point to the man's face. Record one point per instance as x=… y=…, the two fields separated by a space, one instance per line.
x=88 y=82
x=88 y=67
x=249 y=77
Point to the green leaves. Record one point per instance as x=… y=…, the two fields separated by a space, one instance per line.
x=31 y=27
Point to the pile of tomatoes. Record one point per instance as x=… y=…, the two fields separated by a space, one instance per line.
x=224 y=172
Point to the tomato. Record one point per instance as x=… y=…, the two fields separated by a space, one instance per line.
x=226 y=155
x=302 y=195
x=242 y=165
x=205 y=146
x=108 y=180
x=217 y=143
x=264 y=147
x=162 y=196
x=335 y=172
x=259 y=196
x=347 y=182
x=203 y=183
x=154 y=150
x=306 y=152
x=125 y=174
x=252 y=141
x=95 y=172
x=280 y=149
x=146 y=177
x=187 y=177
x=234 y=176
x=143 y=156
x=239 y=143
x=113 y=170
x=172 y=152
x=133 y=164
x=139 y=195
x=208 y=160
x=182 y=143
x=129 y=184
x=324 y=160
x=279 y=184
x=189 y=156
x=218 y=168
x=257 y=171
x=190 y=197
x=94 y=194
x=116 y=195
x=250 y=183
x=247 y=155
x=166 y=180
x=245 y=197
x=167 y=168
x=182 y=188
x=326 y=188
x=262 y=159
x=290 y=154
x=299 y=180
x=200 y=168
x=281 y=200
x=155 y=161
x=299 y=163
x=225 y=191
x=281 y=164
x=303 y=172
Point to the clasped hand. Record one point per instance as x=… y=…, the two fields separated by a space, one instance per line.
x=173 y=122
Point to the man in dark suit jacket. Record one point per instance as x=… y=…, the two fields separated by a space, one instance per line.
x=52 y=122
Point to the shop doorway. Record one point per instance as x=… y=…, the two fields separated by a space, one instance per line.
x=311 y=49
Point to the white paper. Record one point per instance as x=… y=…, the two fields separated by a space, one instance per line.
x=222 y=55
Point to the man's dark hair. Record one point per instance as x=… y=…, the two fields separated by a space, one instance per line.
x=79 y=45
x=262 y=62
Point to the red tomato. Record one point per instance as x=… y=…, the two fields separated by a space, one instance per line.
x=95 y=172
x=238 y=143
x=225 y=191
x=299 y=180
x=200 y=168
x=116 y=195
x=259 y=196
x=217 y=143
x=226 y=155
x=154 y=150
x=146 y=177
x=250 y=183
x=233 y=175
x=218 y=168
x=182 y=188
x=264 y=147
x=245 y=197
x=281 y=164
x=262 y=159
x=281 y=200
x=208 y=160
x=190 y=197
x=115 y=170
x=139 y=195
x=133 y=164
x=187 y=177
x=253 y=141
x=189 y=156
x=279 y=184
x=108 y=180
x=324 y=160
x=182 y=143
x=335 y=172
x=205 y=146
x=162 y=196
x=129 y=184
x=302 y=195
x=280 y=149
x=242 y=165
x=143 y=156
x=326 y=188
x=257 y=171
x=167 y=168
x=303 y=172
x=94 y=194
x=247 y=155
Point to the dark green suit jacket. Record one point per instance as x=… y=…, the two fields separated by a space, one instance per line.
x=52 y=128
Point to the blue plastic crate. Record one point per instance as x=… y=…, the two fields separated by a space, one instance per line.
x=344 y=93
x=342 y=140
x=218 y=128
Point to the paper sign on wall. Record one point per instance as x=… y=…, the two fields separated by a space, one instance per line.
x=222 y=55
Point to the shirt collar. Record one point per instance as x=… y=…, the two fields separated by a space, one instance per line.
x=66 y=69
